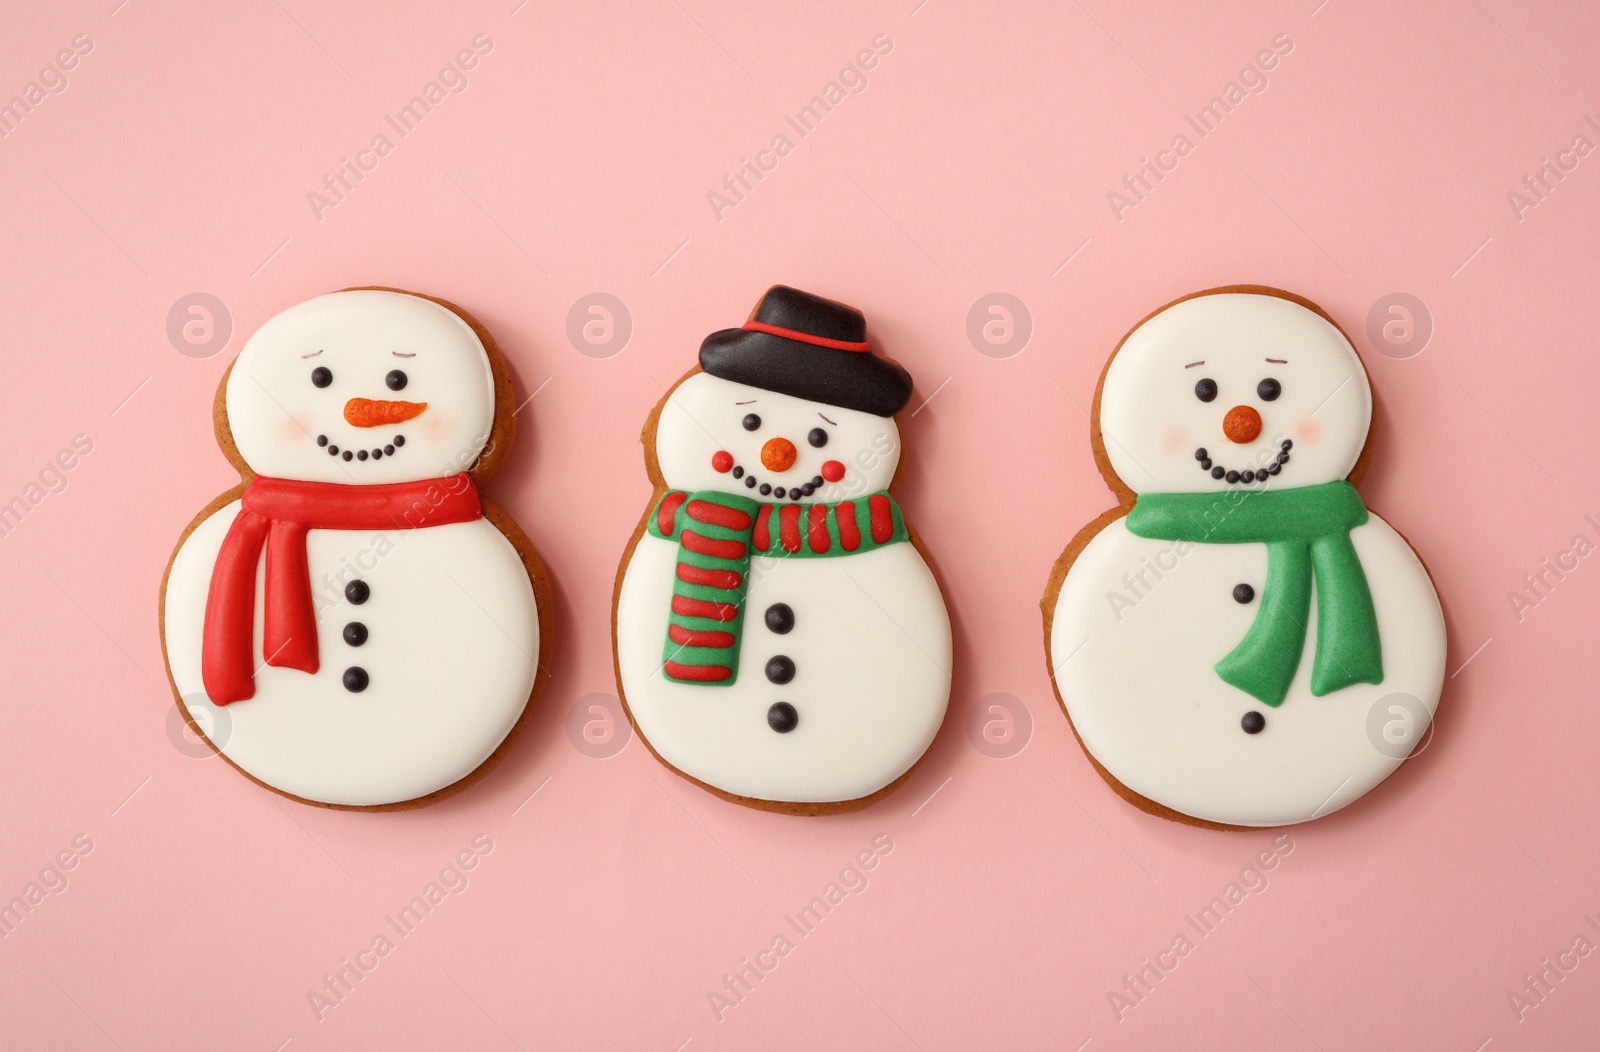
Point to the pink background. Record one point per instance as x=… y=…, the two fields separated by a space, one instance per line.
x=1020 y=890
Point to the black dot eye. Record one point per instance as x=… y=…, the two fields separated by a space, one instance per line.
x=1206 y=390
x=751 y=421
x=396 y=380
x=818 y=437
x=322 y=376
x=1269 y=389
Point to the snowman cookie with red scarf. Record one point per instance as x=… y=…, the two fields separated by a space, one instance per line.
x=779 y=637
x=354 y=625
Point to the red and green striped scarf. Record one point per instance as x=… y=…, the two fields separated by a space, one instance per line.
x=717 y=535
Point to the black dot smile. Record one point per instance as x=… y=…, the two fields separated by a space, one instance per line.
x=794 y=493
x=375 y=453
x=1248 y=475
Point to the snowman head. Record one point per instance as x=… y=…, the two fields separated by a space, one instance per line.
x=1234 y=390
x=791 y=407
x=362 y=387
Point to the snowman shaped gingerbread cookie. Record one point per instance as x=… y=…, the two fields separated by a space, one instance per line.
x=1241 y=642
x=779 y=638
x=353 y=625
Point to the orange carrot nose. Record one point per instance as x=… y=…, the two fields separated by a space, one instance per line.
x=370 y=412
x=1242 y=424
x=778 y=454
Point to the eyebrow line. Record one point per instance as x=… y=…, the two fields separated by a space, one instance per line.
x=829 y=421
x=313 y=354
x=1278 y=361
x=751 y=402
x=397 y=354
x=1191 y=365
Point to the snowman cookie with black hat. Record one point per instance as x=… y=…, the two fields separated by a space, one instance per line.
x=779 y=638
x=1241 y=642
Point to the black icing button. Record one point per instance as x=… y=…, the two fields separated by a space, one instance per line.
x=1253 y=722
x=355 y=679
x=782 y=717
x=357 y=592
x=1243 y=593
x=780 y=669
x=780 y=618
x=355 y=633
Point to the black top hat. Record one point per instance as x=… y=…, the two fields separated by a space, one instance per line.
x=808 y=347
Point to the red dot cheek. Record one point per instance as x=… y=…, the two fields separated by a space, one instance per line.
x=832 y=470
x=722 y=460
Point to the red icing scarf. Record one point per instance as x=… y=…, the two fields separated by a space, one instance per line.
x=276 y=514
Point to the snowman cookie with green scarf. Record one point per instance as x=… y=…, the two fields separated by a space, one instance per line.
x=1241 y=642
x=779 y=638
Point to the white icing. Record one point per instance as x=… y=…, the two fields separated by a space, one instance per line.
x=453 y=643
x=1139 y=623
x=1139 y=686
x=276 y=414
x=871 y=647
x=452 y=649
x=705 y=414
x=871 y=641
x=1152 y=422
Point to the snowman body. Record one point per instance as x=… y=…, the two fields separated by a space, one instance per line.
x=1136 y=673
x=427 y=639
x=1140 y=622
x=842 y=677
x=448 y=627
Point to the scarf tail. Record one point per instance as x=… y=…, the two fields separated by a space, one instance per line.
x=289 y=628
x=704 y=624
x=228 y=636
x=1264 y=662
x=1349 y=650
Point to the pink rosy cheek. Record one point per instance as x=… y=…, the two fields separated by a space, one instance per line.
x=722 y=460
x=832 y=470
x=1176 y=439
x=295 y=428
x=1308 y=431
x=438 y=428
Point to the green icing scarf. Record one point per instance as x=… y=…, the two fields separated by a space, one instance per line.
x=1307 y=534
x=718 y=534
